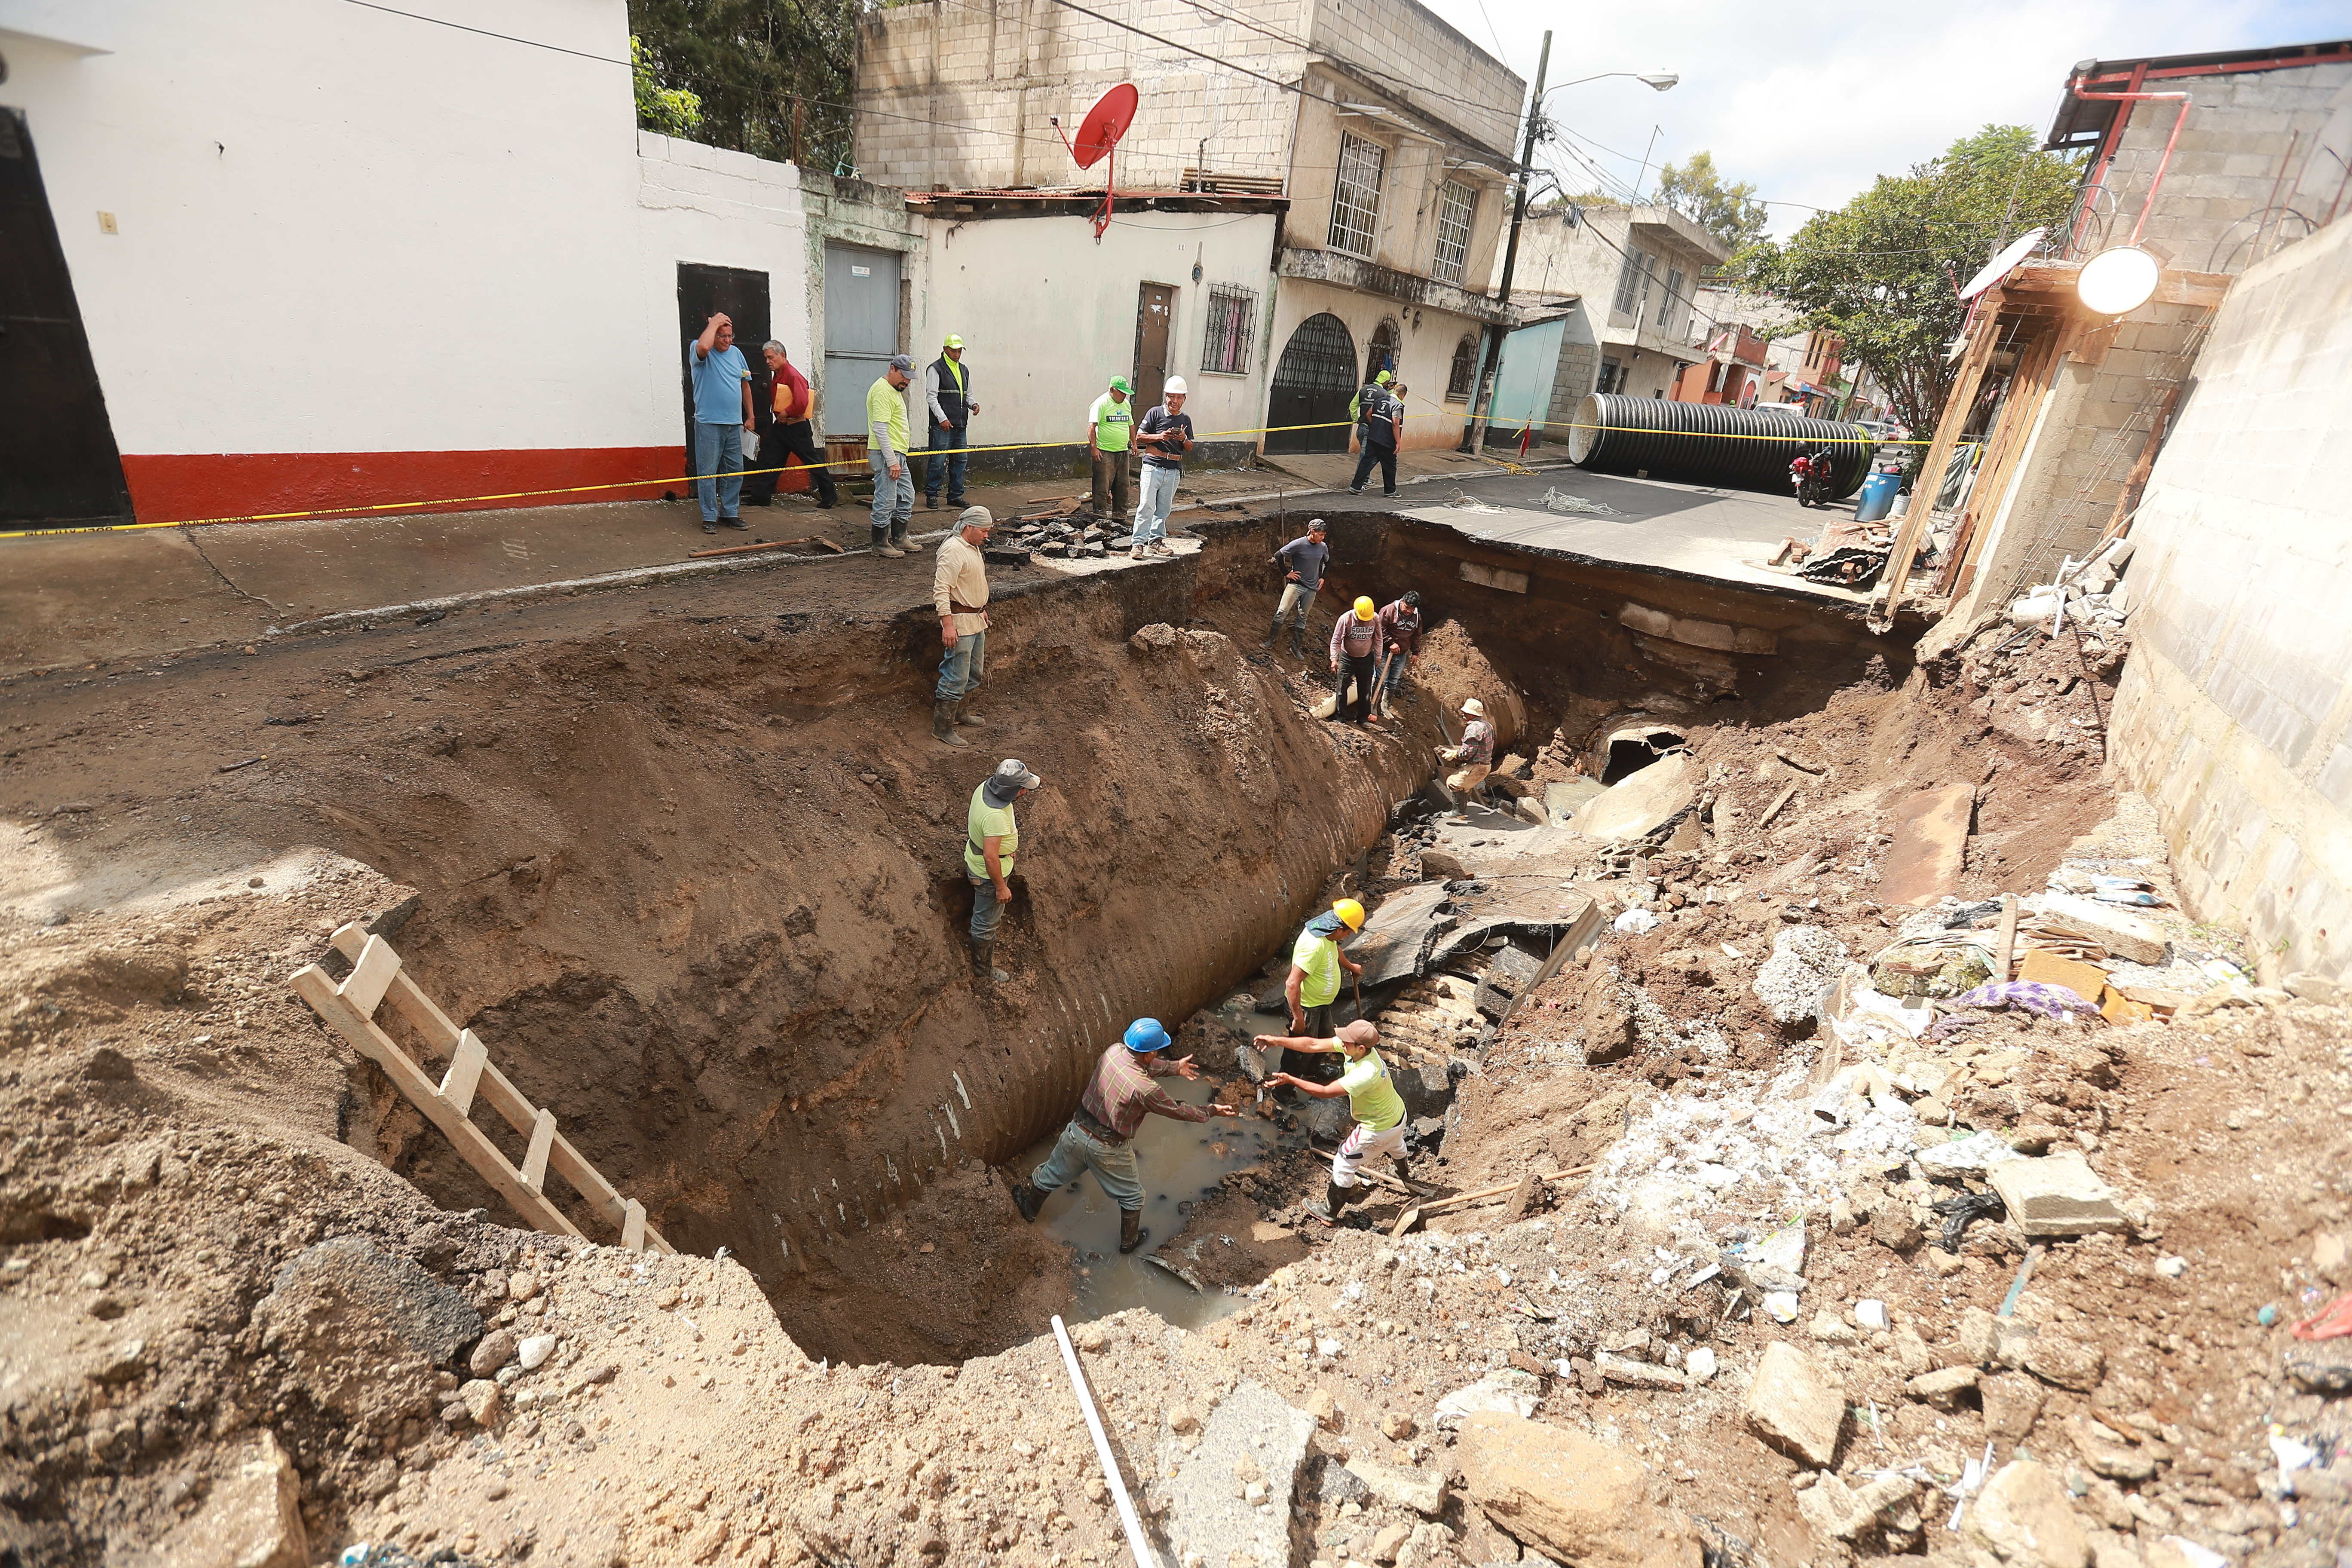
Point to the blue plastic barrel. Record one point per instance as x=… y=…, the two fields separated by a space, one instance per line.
x=1878 y=497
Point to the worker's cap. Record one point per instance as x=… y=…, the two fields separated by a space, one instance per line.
x=1382 y=379
x=1145 y=1035
x=1120 y=383
x=976 y=517
x=1475 y=709
x=955 y=340
x=1317 y=525
x=1360 y=1033
x=903 y=363
x=1174 y=384
x=1013 y=773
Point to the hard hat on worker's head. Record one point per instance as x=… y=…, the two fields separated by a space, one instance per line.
x=1351 y=913
x=1120 y=383
x=1382 y=379
x=1173 y=385
x=954 y=342
x=1145 y=1036
x=1365 y=609
x=1475 y=709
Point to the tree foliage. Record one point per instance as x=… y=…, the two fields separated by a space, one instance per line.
x=1730 y=213
x=745 y=65
x=1883 y=271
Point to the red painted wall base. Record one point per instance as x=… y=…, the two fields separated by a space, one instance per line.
x=236 y=487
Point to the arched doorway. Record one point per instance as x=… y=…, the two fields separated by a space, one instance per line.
x=1312 y=384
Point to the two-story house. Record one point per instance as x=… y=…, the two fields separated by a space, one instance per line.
x=1387 y=131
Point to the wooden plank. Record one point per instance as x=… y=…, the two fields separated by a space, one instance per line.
x=1773 y=810
x=472 y=1144
x=370 y=977
x=742 y=549
x=1405 y=1222
x=633 y=1227
x=534 y=1159
x=1930 y=479
x=465 y=1066
x=2021 y=410
x=2005 y=946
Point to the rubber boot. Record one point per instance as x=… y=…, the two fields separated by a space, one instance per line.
x=1298 y=641
x=984 y=963
x=1131 y=1234
x=1028 y=1200
x=1335 y=1198
x=943 y=723
x=968 y=721
x=882 y=545
x=1272 y=632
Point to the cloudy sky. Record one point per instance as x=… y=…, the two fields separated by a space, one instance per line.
x=1811 y=101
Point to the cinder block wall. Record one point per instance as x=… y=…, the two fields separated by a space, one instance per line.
x=2235 y=711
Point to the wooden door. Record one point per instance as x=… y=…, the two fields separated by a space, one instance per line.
x=1155 y=312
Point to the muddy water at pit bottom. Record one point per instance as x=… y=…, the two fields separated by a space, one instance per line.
x=1181 y=1163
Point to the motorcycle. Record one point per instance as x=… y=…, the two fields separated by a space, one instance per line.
x=1809 y=475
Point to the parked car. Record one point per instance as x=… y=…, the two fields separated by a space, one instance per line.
x=1796 y=408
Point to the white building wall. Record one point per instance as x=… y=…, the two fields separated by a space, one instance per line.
x=1049 y=317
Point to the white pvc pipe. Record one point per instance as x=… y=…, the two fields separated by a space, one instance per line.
x=1126 y=1516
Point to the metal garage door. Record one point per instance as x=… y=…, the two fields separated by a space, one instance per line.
x=861 y=330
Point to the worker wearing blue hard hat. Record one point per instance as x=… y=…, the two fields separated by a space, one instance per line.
x=1100 y=1136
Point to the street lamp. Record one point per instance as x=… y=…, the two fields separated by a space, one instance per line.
x=1490 y=350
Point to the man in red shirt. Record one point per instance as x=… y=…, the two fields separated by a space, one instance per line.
x=794 y=435
x=1100 y=1137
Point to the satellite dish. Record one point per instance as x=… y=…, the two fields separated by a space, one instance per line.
x=1105 y=123
x=1097 y=139
x=1999 y=266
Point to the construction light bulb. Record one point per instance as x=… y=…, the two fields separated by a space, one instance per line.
x=1661 y=80
x=2118 y=282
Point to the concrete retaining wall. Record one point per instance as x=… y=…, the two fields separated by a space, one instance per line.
x=2235 y=713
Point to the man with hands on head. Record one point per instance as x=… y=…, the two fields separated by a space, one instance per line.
x=722 y=414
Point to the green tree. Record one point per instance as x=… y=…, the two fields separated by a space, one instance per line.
x=1730 y=213
x=751 y=69
x=1883 y=270
x=672 y=110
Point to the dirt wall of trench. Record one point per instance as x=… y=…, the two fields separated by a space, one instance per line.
x=697 y=888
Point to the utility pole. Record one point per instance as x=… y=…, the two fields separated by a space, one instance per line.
x=1490 y=349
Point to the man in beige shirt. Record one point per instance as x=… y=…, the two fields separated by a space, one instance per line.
x=960 y=593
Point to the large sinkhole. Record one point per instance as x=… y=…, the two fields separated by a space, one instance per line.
x=697 y=887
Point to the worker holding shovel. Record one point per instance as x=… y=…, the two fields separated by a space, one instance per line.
x=1372 y=1100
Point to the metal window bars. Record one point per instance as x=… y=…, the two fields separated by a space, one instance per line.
x=1233 y=316
x=1356 y=198
x=1457 y=205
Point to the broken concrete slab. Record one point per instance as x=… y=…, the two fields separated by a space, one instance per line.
x=2012 y=1403
x=2026 y=1519
x=1639 y=1373
x=252 y=1517
x=1989 y=1340
x=1641 y=802
x=1840 y=1512
x=1944 y=1386
x=1423 y=1491
x=1580 y=1501
x=1806 y=961
x=1509 y=1391
x=1395 y=942
x=1790 y=1406
x=2056 y=1195
x=2121 y=933
x=1930 y=846
x=1253 y=1442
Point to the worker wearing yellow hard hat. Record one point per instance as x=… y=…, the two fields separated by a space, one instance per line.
x=1313 y=983
x=1355 y=661
x=947 y=389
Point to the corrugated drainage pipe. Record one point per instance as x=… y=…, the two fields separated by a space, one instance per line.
x=1710 y=443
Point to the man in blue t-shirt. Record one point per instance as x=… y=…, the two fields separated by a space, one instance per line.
x=1302 y=562
x=723 y=412
x=1165 y=435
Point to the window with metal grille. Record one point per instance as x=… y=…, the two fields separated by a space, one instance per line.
x=1356 y=203
x=1233 y=312
x=1670 y=308
x=1632 y=284
x=1456 y=205
x=1465 y=365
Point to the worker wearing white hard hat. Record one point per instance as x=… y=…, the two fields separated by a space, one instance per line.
x=1164 y=435
x=1474 y=756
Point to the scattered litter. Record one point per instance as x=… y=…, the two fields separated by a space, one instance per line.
x=1558 y=499
x=2052 y=1001
x=2172 y=1268
x=2290 y=1454
x=1634 y=921
x=1461 y=502
x=1963 y=1211
x=232 y=767
x=1871 y=1314
x=2334 y=1323
x=1968 y=1156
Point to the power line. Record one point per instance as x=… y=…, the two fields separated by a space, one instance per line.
x=485 y=32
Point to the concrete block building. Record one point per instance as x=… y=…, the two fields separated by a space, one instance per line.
x=1387 y=132
x=2209 y=162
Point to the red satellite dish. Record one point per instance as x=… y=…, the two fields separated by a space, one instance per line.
x=1099 y=135
x=1105 y=123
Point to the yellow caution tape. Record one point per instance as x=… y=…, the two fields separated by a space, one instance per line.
x=928 y=453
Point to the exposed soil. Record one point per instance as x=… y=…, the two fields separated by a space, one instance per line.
x=691 y=879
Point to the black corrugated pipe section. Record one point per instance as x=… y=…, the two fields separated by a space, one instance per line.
x=1710 y=443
